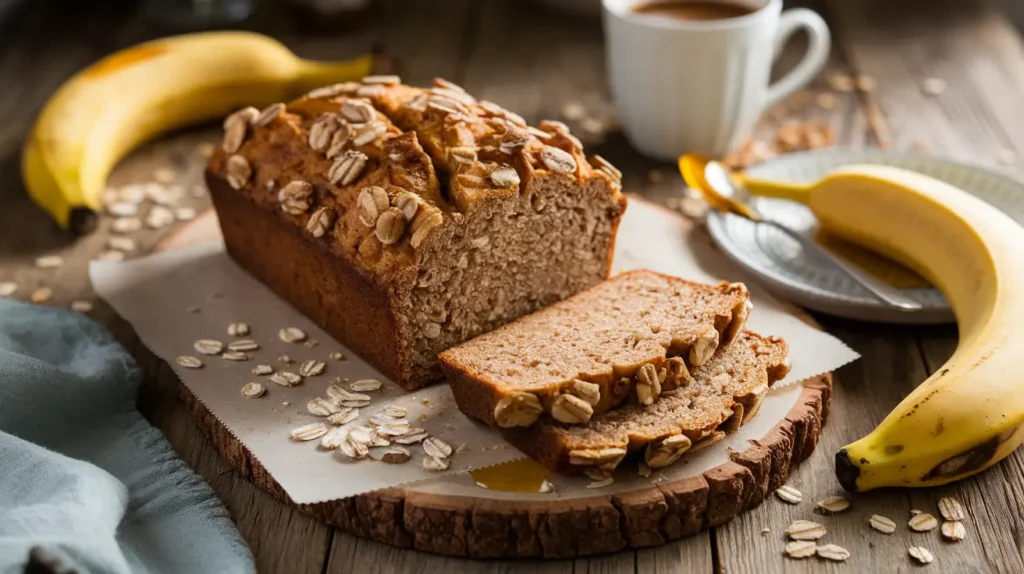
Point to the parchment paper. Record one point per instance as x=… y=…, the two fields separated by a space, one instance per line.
x=155 y=295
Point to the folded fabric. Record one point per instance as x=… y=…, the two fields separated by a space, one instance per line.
x=83 y=477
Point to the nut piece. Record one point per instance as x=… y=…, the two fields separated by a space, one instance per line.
x=423 y=225
x=505 y=176
x=951 y=509
x=789 y=494
x=358 y=111
x=833 y=552
x=739 y=320
x=238 y=171
x=801 y=548
x=323 y=130
x=321 y=222
x=269 y=114
x=558 y=160
x=648 y=385
x=590 y=392
x=954 y=531
x=704 y=347
x=882 y=524
x=309 y=432
x=834 y=504
x=371 y=203
x=921 y=554
x=408 y=202
x=296 y=197
x=676 y=374
x=805 y=530
x=517 y=410
x=390 y=226
x=923 y=522
x=596 y=457
x=663 y=453
x=571 y=409
x=347 y=168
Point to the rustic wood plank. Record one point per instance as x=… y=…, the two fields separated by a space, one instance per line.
x=691 y=554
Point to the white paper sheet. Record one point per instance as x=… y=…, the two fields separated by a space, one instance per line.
x=155 y=294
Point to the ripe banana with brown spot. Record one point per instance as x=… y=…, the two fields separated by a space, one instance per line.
x=107 y=110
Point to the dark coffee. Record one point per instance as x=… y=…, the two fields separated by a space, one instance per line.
x=694 y=10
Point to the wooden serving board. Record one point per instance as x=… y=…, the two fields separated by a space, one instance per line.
x=475 y=522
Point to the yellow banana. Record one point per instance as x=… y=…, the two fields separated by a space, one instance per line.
x=970 y=413
x=105 y=111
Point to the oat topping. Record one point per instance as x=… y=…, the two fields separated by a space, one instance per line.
x=234 y=134
x=370 y=204
x=322 y=130
x=320 y=222
x=504 y=176
x=357 y=111
x=369 y=133
x=238 y=171
x=423 y=225
x=268 y=115
x=665 y=452
x=296 y=197
x=344 y=416
x=408 y=202
x=558 y=160
x=49 y=261
x=347 y=168
x=517 y=410
x=385 y=80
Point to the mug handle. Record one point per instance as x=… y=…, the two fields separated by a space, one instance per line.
x=813 y=60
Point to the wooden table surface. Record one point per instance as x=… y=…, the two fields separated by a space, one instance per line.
x=534 y=62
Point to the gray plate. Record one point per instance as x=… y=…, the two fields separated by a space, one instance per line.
x=781 y=264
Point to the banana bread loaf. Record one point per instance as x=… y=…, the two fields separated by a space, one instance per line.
x=633 y=336
x=721 y=395
x=405 y=220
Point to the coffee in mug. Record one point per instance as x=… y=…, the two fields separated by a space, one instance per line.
x=696 y=10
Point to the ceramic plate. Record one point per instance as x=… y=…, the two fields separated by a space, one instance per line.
x=780 y=263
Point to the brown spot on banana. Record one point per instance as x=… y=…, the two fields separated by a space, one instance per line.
x=939 y=427
x=893 y=449
x=968 y=461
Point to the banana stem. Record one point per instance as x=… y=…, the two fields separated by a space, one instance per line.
x=778 y=189
x=314 y=74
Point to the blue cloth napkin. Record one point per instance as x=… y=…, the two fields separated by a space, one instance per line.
x=83 y=477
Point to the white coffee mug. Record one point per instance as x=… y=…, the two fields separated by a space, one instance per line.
x=698 y=86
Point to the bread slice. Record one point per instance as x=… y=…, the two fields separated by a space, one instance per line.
x=632 y=336
x=724 y=393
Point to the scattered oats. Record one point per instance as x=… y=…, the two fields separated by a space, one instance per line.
x=159 y=217
x=121 y=243
x=310 y=343
x=309 y=432
x=789 y=494
x=505 y=176
x=643 y=469
x=602 y=483
x=322 y=407
x=189 y=362
x=126 y=225
x=49 y=261
x=827 y=101
x=337 y=356
x=334 y=438
x=41 y=295
x=395 y=411
x=208 y=346
x=164 y=175
x=268 y=115
x=805 y=530
x=933 y=86
x=184 y=213
x=344 y=416
x=767 y=530
x=205 y=149
x=546 y=487
x=435 y=464
x=865 y=83
x=377 y=439
x=923 y=522
x=235 y=356
x=834 y=504
x=285 y=378
x=285 y=359
x=833 y=552
x=361 y=435
x=364 y=385
x=655 y=177
x=882 y=524
x=285 y=403
x=954 y=531
x=1006 y=157
x=592 y=127
x=800 y=548
x=238 y=330
x=840 y=82
x=292 y=335
x=573 y=111
x=165 y=196
x=261 y=370
x=110 y=255
x=951 y=509
x=193 y=310
x=394 y=429
x=353 y=450
x=253 y=390
x=394 y=455
x=8 y=288
x=413 y=436
x=338 y=393
x=921 y=554
x=311 y=368
x=123 y=208
x=244 y=345
x=437 y=447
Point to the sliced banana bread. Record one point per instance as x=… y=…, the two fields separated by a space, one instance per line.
x=636 y=335
x=406 y=220
x=721 y=395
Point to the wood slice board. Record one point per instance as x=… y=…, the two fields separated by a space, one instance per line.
x=480 y=525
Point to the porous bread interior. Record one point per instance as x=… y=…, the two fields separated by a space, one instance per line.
x=607 y=332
